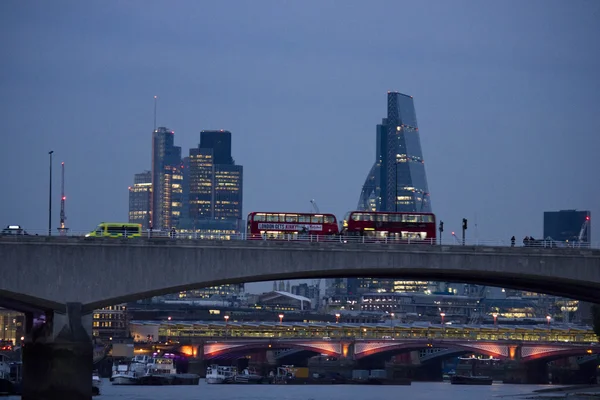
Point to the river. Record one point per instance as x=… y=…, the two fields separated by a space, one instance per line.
x=417 y=391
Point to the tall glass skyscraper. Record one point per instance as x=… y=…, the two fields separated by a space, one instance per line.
x=167 y=180
x=397 y=180
x=139 y=199
x=215 y=183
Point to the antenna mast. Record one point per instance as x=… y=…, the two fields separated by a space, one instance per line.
x=62 y=229
x=155 y=99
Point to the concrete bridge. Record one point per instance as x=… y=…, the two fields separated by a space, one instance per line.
x=69 y=277
x=48 y=272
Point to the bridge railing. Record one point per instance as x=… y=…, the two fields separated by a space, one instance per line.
x=358 y=240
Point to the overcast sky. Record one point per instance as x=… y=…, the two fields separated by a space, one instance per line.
x=507 y=96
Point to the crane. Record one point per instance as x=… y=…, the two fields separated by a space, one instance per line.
x=584 y=228
x=62 y=229
x=314 y=205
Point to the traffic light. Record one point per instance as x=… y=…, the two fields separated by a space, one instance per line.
x=464 y=224
x=441 y=226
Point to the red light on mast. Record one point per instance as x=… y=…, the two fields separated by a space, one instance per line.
x=587 y=217
x=64 y=198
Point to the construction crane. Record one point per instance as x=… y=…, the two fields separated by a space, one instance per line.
x=584 y=228
x=315 y=207
x=62 y=229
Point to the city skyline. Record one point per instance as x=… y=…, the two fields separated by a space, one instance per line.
x=303 y=104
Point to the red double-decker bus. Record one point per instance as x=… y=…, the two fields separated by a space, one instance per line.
x=286 y=226
x=391 y=226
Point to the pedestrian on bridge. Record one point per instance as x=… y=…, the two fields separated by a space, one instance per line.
x=512 y=241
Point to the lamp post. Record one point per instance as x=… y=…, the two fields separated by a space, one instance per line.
x=392 y=323
x=495 y=315
x=337 y=318
x=280 y=318
x=548 y=318
x=50 y=196
x=442 y=315
x=226 y=317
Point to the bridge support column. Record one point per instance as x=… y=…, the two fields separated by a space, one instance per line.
x=58 y=356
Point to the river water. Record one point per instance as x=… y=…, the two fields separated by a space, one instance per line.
x=417 y=391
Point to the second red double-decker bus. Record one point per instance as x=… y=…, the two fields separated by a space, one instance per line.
x=405 y=227
x=286 y=226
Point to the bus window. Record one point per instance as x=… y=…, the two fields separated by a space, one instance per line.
x=291 y=218
x=272 y=218
x=317 y=219
x=328 y=219
x=259 y=217
x=356 y=216
x=303 y=218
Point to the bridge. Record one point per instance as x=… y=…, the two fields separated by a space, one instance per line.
x=100 y=272
x=357 y=349
x=69 y=277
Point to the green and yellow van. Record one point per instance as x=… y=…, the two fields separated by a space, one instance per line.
x=117 y=230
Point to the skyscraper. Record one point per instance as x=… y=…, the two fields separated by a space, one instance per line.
x=167 y=180
x=215 y=183
x=397 y=180
x=139 y=199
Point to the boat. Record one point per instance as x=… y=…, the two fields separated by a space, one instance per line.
x=470 y=380
x=129 y=372
x=216 y=374
x=159 y=371
x=248 y=376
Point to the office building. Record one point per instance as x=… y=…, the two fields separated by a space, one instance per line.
x=568 y=226
x=139 y=199
x=397 y=180
x=215 y=187
x=167 y=180
x=110 y=322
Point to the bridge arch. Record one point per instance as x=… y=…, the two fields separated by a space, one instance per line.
x=379 y=348
x=212 y=350
x=550 y=353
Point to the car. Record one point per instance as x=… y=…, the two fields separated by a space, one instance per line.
x=11 y=230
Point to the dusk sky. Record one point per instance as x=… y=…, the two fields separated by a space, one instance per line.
x=507 y=96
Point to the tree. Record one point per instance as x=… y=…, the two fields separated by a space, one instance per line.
x=596 y=319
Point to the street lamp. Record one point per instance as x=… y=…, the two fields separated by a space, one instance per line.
x=226 y=321
x=280 y=318
x=495 y=315
x=169 y=318
x=337 y=318
x=50 y=196
x=392 y=323
x=442 y=315
x=548 y=318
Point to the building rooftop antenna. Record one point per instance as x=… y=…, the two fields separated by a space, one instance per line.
x=155 y=101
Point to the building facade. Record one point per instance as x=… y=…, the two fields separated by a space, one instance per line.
x=167 y=180
x=215 y=187
x=568 y=226
x=140 y=197
x=110 y=322
x=397 y=180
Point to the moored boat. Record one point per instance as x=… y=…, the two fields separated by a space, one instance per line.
x=216 y=374
x=470 y=380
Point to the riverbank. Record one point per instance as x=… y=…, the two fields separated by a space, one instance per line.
x=579 y=392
